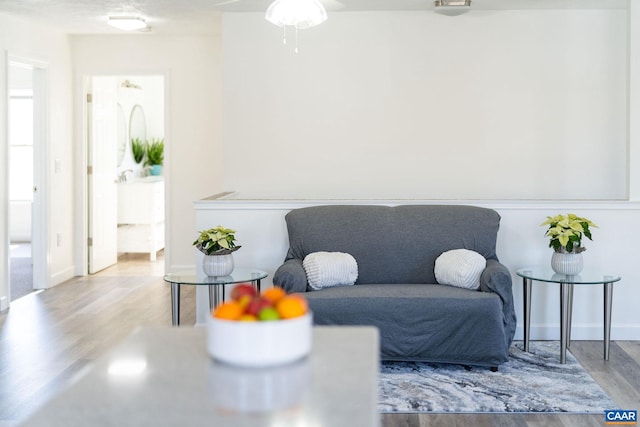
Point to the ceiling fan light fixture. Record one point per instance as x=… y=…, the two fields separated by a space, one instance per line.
x=452 y=7
x=127 y=23
x=300 y=14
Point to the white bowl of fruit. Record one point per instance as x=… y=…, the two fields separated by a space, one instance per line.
x=260 y=330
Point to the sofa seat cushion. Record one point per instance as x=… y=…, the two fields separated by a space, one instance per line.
x=430 y=323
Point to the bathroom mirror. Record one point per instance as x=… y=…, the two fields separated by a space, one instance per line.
x=121 y=135
x=137 y=124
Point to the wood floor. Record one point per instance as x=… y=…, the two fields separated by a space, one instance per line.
x=47 y=337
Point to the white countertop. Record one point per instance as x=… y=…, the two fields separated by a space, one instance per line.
x=165 y=377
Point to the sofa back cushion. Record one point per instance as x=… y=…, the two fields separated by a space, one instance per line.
x=392 y=244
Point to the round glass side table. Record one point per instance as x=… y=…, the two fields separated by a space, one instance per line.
x=566 y=282
x=215 y=283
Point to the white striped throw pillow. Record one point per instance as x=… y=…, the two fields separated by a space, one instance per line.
x=329 y=269
x=460 y=267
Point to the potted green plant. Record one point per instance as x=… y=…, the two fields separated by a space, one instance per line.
x=217 y=244
x=565 y=234
x=155 y=155
x=216 y=241
x=138 y=148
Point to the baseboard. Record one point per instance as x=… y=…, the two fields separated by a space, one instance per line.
x=4 y=303
x=582 y=332
x=62 y=276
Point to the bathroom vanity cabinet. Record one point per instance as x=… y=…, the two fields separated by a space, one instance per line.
x=141 y=216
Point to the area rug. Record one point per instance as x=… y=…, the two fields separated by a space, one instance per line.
x=528 y=382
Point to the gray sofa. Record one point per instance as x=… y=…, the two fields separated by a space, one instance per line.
x=396 y=290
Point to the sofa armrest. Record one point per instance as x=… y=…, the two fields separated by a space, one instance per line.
x=291 y=276
x=496 y=278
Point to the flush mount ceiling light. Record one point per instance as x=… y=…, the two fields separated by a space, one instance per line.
x=127 y=23
x=452 y=7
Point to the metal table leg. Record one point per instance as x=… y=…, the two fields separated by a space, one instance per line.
x=570 y=315
x=608 y=301
x=218 y=295
x=175 y=304
x=564 y=320
x=215 y=296
x=526 y=286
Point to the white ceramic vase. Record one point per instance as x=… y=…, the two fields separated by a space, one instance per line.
x=566 y=263
x=217 y=265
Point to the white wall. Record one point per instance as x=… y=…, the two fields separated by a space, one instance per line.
x=508 y=104
x=151 y=98
x=20 y=221
x=522 y=111
x=36 y=42
x=192 y=69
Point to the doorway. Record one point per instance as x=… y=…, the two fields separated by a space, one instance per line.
x=125 y=118
x=20 y=178
x=27 y=126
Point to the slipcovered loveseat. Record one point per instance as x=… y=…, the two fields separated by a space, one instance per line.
x=396 y=290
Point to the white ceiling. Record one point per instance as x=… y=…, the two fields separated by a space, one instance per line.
x=174 y=17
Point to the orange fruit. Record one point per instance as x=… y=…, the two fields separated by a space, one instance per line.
x=230 y=310
x=274 y=294
x=291 y=306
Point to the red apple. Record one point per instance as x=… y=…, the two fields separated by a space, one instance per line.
x=256 y=305
x=242 y=289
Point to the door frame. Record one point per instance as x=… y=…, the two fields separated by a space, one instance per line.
x=81 y=229
x=41 y=171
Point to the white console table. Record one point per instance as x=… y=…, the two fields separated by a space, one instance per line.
x=141 y=216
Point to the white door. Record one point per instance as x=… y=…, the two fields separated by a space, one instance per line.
x=102 y=173
x=41 y=203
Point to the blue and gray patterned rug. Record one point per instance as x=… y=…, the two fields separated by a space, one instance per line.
x=528 y=382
